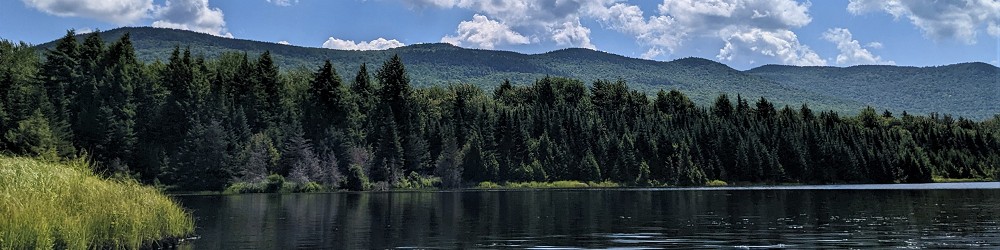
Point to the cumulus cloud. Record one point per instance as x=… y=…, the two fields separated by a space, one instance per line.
x=874 y=45
x=765 y=24
x=283 y=42
x=851 y=52
x=557 y=21
x=961 y=20
x=283 y=3
x=572 y=33
x=377 y=44
x=656 y=32
x=114 y=11
x=749 y=29
x=481 y=32
x=193 y=15
x=780 y=44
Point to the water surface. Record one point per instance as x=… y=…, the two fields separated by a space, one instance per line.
x=948 y=215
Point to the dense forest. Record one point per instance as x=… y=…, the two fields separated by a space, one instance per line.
x=192 y=123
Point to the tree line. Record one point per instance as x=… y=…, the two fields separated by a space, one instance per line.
x=192 y=123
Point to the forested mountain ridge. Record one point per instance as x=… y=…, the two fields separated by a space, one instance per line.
x=965 y=89
x=238 y=122
x=968 y=89
x=442 y=64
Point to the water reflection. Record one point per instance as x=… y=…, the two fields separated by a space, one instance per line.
x=601 y=219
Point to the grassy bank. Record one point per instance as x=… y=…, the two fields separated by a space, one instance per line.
x=63 y=205
x=541 y=185
x=938 y=179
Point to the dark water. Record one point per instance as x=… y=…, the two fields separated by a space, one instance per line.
x=864 y=216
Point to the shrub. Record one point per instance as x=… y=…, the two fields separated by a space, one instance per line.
x=356 y=178
x=274 y=183
x=716 y=183
x=487 y=185
x=418 y=181
x=310 y=187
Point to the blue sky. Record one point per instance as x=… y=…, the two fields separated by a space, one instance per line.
x=740 y=33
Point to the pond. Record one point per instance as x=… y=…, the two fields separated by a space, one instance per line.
x=948 y=215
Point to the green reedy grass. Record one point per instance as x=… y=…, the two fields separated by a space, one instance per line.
x=48 y=205
x=540 y=185
x=939 y=179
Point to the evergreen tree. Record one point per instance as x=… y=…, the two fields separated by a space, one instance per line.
x=116 y=114
x=60 y=74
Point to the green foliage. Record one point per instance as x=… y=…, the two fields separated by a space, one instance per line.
x=309 y=187
x=357 y=180
x=643 y=179
x=716 y=183
x=487 y=185
x=274 y=183
x=590 y=171
x=231 y=120
x=418 y=181
x=64 y=205
x=541 y=185
x=33 y=137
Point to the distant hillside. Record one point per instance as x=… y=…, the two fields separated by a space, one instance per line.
x=702 y=79
x=966 y=89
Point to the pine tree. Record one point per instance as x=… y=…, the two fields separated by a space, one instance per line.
x=116 y=114
x=201 y=163
x=590 y=171
x=722 y=107
x=364 y=93
x=449 y=162
x=59 y=74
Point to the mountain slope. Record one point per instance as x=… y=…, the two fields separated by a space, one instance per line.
x=966 y=89
x=703 y=80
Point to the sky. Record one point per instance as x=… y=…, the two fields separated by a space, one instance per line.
x=740 y=33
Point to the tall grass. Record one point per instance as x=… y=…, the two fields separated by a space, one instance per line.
x=46 y=205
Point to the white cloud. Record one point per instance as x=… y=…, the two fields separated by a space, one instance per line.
x=283 y=3
x=572 y=34
x=748 y=28
x=283 y=42
x=851 y=52
x=193 y=15
x=658 y=32
x=780 y=44
x=766 y=24
x=81 y=31
x=952 y=19
x=481 y=32
x=874 y=45
x=557 y=21
x=652 y=53
x=114 y=11
x=377 y=44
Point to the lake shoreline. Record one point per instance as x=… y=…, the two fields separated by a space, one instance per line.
x=543 y=186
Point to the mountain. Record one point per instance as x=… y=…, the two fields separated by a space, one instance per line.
x=701 y=79
x=971 y=90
